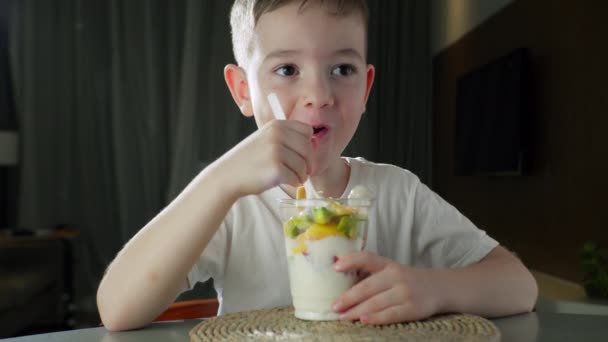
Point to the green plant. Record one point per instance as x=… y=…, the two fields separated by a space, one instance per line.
x=595 y=270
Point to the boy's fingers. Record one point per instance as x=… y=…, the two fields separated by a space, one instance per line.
x=289 y=178
x=300 y=128
x=301 y=146
x=366 y=296
x=294 y=126
x=372 y=305
x=294 y=148
x=296 y=136
x=391 y=314
x=296 y=164
x=361 y=261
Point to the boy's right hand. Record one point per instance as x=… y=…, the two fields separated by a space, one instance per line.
x=280 y=152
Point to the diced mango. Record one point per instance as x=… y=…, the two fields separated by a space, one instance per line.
x=339 y=210
x=319 y=231
x=299 y=248
x=315 y=232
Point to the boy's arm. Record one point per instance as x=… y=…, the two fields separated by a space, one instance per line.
x=497 y=285
x=150 y=271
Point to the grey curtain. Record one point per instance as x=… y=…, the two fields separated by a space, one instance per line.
x=397 y=126
x=120 y=103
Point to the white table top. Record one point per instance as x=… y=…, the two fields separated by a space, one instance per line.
x=538 y=326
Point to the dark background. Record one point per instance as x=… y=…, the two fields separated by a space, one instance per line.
x=8 y=175
x=544 y=217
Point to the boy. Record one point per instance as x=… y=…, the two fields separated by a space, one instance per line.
x=422 y=256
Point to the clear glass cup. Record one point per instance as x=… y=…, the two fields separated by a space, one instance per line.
x=317 y=233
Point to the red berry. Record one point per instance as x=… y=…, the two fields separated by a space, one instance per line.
x=335 y=259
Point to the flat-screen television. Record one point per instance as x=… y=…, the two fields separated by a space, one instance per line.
x=493 y=117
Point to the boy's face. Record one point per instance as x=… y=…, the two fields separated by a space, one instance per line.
x=315 y=63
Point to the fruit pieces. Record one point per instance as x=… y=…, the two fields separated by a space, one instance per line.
x=296 y=225
x=321 y=215
x=300 y=195
x=318 y=232
x=300 y=248
x=301 y=192
x=290 y=229
x=339 y=210
x=321 y=222
x=348 y=226
x=314 y=232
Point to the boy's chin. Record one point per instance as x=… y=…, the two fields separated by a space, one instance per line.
x=319 y=167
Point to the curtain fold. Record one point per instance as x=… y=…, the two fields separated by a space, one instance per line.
x=139 y=109
x=397 y=125
x=119 y=104
x=207 y=123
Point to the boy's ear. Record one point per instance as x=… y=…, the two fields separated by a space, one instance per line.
x=371 y=73
x=236 y=79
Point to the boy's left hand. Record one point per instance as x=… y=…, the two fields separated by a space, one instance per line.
x=391 y=293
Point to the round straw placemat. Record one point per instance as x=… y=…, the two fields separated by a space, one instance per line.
x=279 y=324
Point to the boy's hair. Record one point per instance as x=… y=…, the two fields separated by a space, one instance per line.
x=245 y=15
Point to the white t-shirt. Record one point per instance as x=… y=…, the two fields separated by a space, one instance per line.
x=409 y=223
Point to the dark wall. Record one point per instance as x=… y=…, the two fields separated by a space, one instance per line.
x=8 y=121
x=7 y=112
x=544 y=217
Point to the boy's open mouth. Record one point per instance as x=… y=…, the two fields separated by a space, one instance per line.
x=319 y=131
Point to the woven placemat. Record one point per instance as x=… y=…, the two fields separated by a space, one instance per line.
x=279 y=324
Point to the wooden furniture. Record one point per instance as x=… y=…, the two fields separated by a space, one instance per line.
x=35 y=280
x=198 y=308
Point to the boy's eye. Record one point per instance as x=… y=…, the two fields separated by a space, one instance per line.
x=286 y=70
x=343 y=70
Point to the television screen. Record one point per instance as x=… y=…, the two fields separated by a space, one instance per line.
x=492 y=117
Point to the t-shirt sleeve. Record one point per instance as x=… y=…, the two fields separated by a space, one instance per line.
x=211 y=263
x=443 y=236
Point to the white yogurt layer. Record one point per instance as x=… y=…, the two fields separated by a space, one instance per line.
x=314 y=283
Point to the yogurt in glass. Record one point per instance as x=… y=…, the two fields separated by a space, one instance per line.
x=317 y=233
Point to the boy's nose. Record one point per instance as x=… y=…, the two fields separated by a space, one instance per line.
x=317 y=93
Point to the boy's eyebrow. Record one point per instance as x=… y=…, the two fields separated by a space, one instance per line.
x=348 y=52
x=280 y=53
